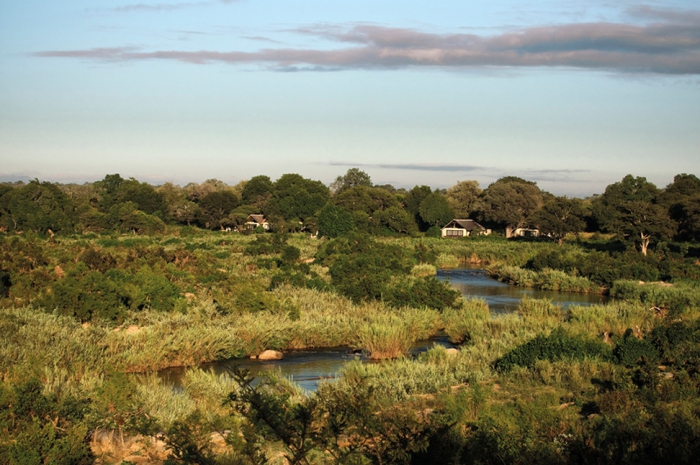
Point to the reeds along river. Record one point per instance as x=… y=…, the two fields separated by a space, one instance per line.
x=308 y=367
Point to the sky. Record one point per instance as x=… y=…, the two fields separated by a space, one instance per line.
x=572 y=94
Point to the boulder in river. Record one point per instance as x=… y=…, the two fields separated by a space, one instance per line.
x=271 y=355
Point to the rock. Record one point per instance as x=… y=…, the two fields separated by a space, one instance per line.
x=136 y=459
x=253 y=357
x=133 y=329
x=271 y=355
x=217 y=440
x=452 y=351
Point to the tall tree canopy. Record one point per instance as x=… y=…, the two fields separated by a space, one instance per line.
x=215 y=208
x=560 y=216
x=630 y=209
x=36 y=206
x=510 y=201
x=435 y=210
x=366 y=199
x=114 y=189
x=464 y=198
x=353 y=178
x=682 y=200
x=296 y=198
x=257 y=191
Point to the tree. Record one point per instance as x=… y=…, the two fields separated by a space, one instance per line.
x=396 y=219
x=257 y=191
x=681 y=199
x=435 y=210
x=353 y=178
x=295 y=198
x=687 y=213
x=334 y=221
x=629 y=208
x=216 y=206
x=36 y=206
x=510 y=201
x=365 y=199
x=463 y=197
x=412 y=201
x=560 y=216
x=113 y=189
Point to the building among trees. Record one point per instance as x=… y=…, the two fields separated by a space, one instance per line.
x=254 y=221
x=463 y=228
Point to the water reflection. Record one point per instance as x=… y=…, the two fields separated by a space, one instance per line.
x=309 y=367
x=305 y=367
x=502 y=297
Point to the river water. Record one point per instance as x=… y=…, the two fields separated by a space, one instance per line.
x=502 y=297
x=308 y=367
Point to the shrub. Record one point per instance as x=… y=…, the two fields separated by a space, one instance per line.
x=556 y=346
x=630 y=350
x=422 y=292
x=433 y=231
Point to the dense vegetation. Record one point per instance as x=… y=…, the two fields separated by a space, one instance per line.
x=101 y=285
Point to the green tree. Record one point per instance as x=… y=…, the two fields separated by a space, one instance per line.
x=216 y=207
x=257 y=191
x=366 y=199
x=682 y=199
x=509 y=202
x=143 y=195
x=296 y=199
x=397 y=220
x=560 y=216
x=412 y=201
x=334 y=221
x=436 y=210
x=629 y=209
x=36 y=206
x=464 y=198
x=113 y=189
x=354 y=177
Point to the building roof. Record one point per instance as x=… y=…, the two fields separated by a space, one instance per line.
x=464 y=224
x=257 y=219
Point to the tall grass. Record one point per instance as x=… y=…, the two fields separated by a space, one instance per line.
x=547 y=279
x=468 y=322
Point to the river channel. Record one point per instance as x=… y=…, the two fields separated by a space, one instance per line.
x=474 y=283
x=308 y=367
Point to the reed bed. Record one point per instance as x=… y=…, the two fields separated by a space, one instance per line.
x=612 y=318
x=400 y=379
x=547 y=279
x=424 y=270
x=468 y=322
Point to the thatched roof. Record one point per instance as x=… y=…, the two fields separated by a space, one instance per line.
x=260 y=219
x=469 y=225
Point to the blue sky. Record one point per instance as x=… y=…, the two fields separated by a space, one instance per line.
x=571 y=94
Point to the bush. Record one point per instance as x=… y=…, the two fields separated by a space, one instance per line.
x=556 y=346
x=433 y=231
x=630 y=350
x=422 y=292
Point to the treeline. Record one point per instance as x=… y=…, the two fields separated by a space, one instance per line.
x=632 y=209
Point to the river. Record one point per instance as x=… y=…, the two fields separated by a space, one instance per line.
x=308 y=367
